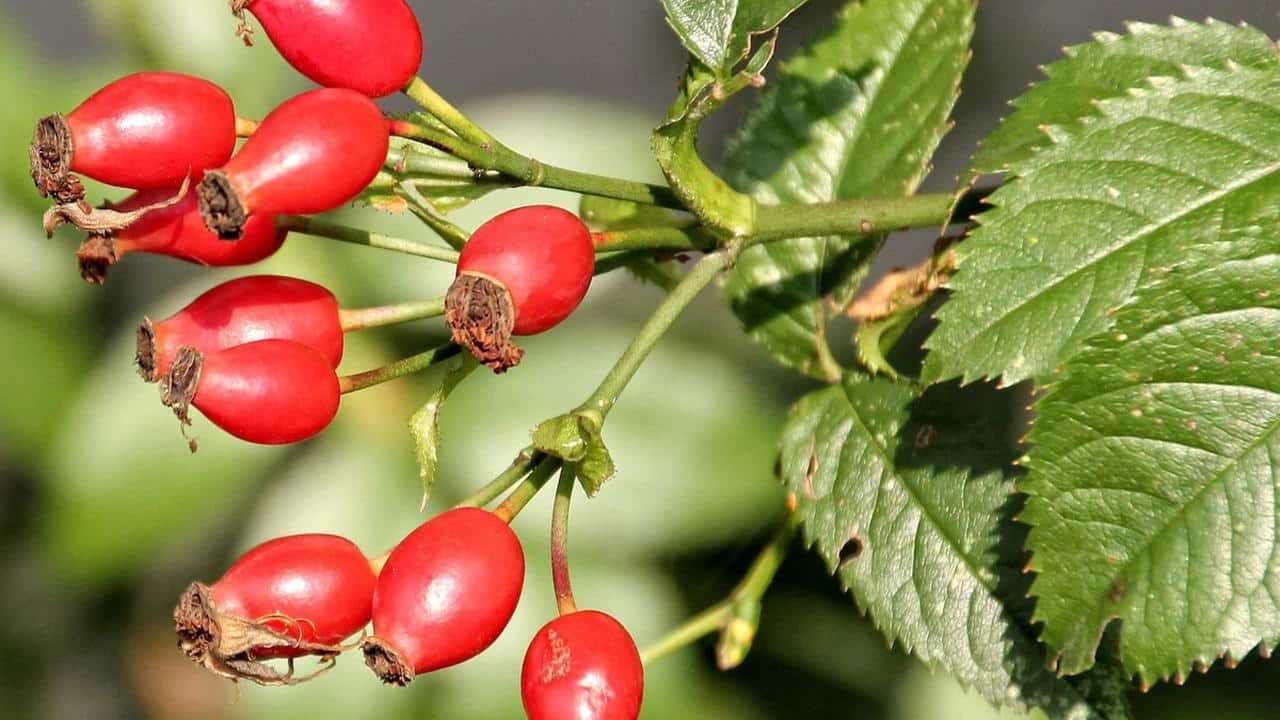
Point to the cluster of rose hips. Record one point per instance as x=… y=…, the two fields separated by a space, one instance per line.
x=258 y=355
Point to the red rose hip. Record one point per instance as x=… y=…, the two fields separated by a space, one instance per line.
x=312 y=154
x=583 y=666
x=270 y=392
x=288 y=597
x=176 y=231
x=521 y=273
x=245 y=310
x=444 y=595
x=145 y=131
x=371 y=46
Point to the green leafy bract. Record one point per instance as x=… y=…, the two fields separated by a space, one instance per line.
x=1154 y=486
x=1110 y=206
x=1107 y=68
x=907 y=501
x=859 y=113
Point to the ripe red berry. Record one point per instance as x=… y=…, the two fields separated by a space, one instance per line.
x=270 y=392
x=584 y=666
x=259 y=307
x=177 y=231
x=312 y=154
x=288 y=597
x=370 y=46
x=521 y=273
x=145 y=131
x=444 y=595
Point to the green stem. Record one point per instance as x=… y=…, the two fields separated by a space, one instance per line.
x=675 y=239
x=521 y=496
x=752 y=586
x=448 y=231
x=560 y=541
x=333 y=231
x=408 y=366
x=365 y=318
x=701 y=275
x=483 y=152
x=851 y=217
x=408 y=160
x=514 y=473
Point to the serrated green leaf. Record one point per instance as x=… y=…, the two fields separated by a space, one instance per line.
x=1110 y=206
x=1154 y=478
x=424 y=426
x=859 y=113
x=718 y=32
x=1107 y=68
x=905 y=497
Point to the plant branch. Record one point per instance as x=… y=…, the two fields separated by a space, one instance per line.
x=333 y=231
x=862 y=216
x=752 y=587
x=408 y=366
x=693 y=283
x=515 y=502
x=365 y=318
x=514 y=473
x=560 y=541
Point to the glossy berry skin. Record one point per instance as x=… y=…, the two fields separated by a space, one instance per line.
x=371 y=46
x=151 y=130
x=542 y=255
x=323 y=582
x=270 y=392
x=582 y=666
x=312 y=154
x=178 y=231
x=245 y=310
x=446 y=592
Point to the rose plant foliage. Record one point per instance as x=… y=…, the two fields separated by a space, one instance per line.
x=1112 y=253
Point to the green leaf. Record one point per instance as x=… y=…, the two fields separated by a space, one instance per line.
x=905 y=498
x=1154 y=477
x=718 y=32
x=1114 y=203
x=1107 y=68
x=859 y=113
x=424 y=426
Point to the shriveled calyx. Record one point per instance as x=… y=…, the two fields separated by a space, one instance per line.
x=50 y=155
x=482 y=316
x=231 y=646
x=221 y=207
x=386 y=663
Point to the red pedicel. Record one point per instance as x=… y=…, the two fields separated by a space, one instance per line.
x=521 y=273
x=371 y=46
x=145 y=131
x=288 y=597
x=584 y=666
x=176 y=231
x=312 y=154
x=270 y=392
x=258 y=307
x=445 y=594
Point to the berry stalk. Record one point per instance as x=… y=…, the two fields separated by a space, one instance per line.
x=526 y=491
x=560 y=541
x=514 y=473
x=373 y=317
x=320 y=228
x=408 y=366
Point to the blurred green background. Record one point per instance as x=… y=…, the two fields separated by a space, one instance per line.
x=105 y=516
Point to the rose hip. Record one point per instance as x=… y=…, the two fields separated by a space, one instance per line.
x=584 y=666
x=145 y=131
x=286 y=598
x=270 y=392
x=521 y=273
x=245 y=310
x=445 y=594
x=371 y=46
x=312 y=154
x=176 y=231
